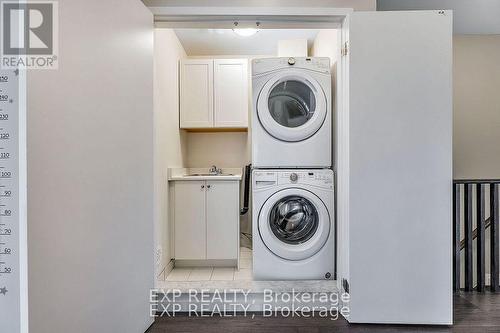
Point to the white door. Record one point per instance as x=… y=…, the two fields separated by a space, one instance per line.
x=90 y=173
x=231 y=93
x=189 y=217
x=292 y=106
x=196 y=94
x=223 y=219
x=397 y=192
x=294 y=224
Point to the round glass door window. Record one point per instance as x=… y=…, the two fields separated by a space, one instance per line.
x=293 y=219
x=291 y=103
x=294 y=224
x=292 y=106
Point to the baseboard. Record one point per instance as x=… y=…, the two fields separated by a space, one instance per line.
x=169 y=267
x=206 y=263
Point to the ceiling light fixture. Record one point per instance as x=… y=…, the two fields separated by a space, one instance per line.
x=246 y=32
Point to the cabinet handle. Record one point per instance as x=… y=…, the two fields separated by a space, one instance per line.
x=202 y=186
x=208 y=186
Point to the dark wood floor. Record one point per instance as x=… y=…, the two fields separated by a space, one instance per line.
x=473 y=313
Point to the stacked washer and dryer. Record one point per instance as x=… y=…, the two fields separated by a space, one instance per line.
x=292 y=180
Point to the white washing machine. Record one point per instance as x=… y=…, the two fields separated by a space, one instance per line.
x=293 y=224
x=291 y=117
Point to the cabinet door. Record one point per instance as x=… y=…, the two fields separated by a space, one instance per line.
x=231 y=92
x=189 y=217
x=222 y=219
x=196 y=94
x=397 y=190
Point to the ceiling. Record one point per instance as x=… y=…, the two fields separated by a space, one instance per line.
x=356 y=4
x=469 y=17
x=201 y=42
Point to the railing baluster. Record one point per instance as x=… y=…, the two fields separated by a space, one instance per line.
x=494 y=255
x=468 y=237
x=456 y=237
x=465 y=241
x=480 y=238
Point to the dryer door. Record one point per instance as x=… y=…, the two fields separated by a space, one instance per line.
x=294 y=224
x=292 y=106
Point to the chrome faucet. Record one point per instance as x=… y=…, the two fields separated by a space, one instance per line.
x=215 y=171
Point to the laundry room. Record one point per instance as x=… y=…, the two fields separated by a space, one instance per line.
x=222 y=152
x=179 y=150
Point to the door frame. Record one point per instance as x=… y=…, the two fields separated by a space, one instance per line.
x=287 y=18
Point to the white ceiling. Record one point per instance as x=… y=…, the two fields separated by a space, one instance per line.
x=355 y=4
x=200 y=42
x=469 y=17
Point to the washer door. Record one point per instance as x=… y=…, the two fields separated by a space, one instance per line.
x=292 y=106
x=294 y=224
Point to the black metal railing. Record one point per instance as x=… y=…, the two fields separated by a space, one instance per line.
x=463 y=212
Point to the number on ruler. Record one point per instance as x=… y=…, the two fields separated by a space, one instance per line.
x=5 y=174
x=6 y=232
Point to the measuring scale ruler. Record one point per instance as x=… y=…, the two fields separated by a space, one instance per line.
x=13 y=233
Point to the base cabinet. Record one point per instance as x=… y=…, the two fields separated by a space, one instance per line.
x=206 y=220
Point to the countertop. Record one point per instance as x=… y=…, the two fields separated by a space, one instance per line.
x=187 y=174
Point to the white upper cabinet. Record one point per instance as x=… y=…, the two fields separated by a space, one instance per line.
x=231 y=93
x=196 y=94
x=214 y=93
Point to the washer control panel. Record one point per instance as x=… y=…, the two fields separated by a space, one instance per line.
x=321 y=177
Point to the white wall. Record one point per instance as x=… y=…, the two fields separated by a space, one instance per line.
x=326 y=44
x=170 y=141
x=476 y=142
x=292 y=48
x=225 y=150
x=90 y=173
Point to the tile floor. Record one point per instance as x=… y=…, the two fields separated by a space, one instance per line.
x=223 y=278
x=216 y=273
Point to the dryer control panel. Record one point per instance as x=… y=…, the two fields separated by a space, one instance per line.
x=321 y=178
x=264 y=65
